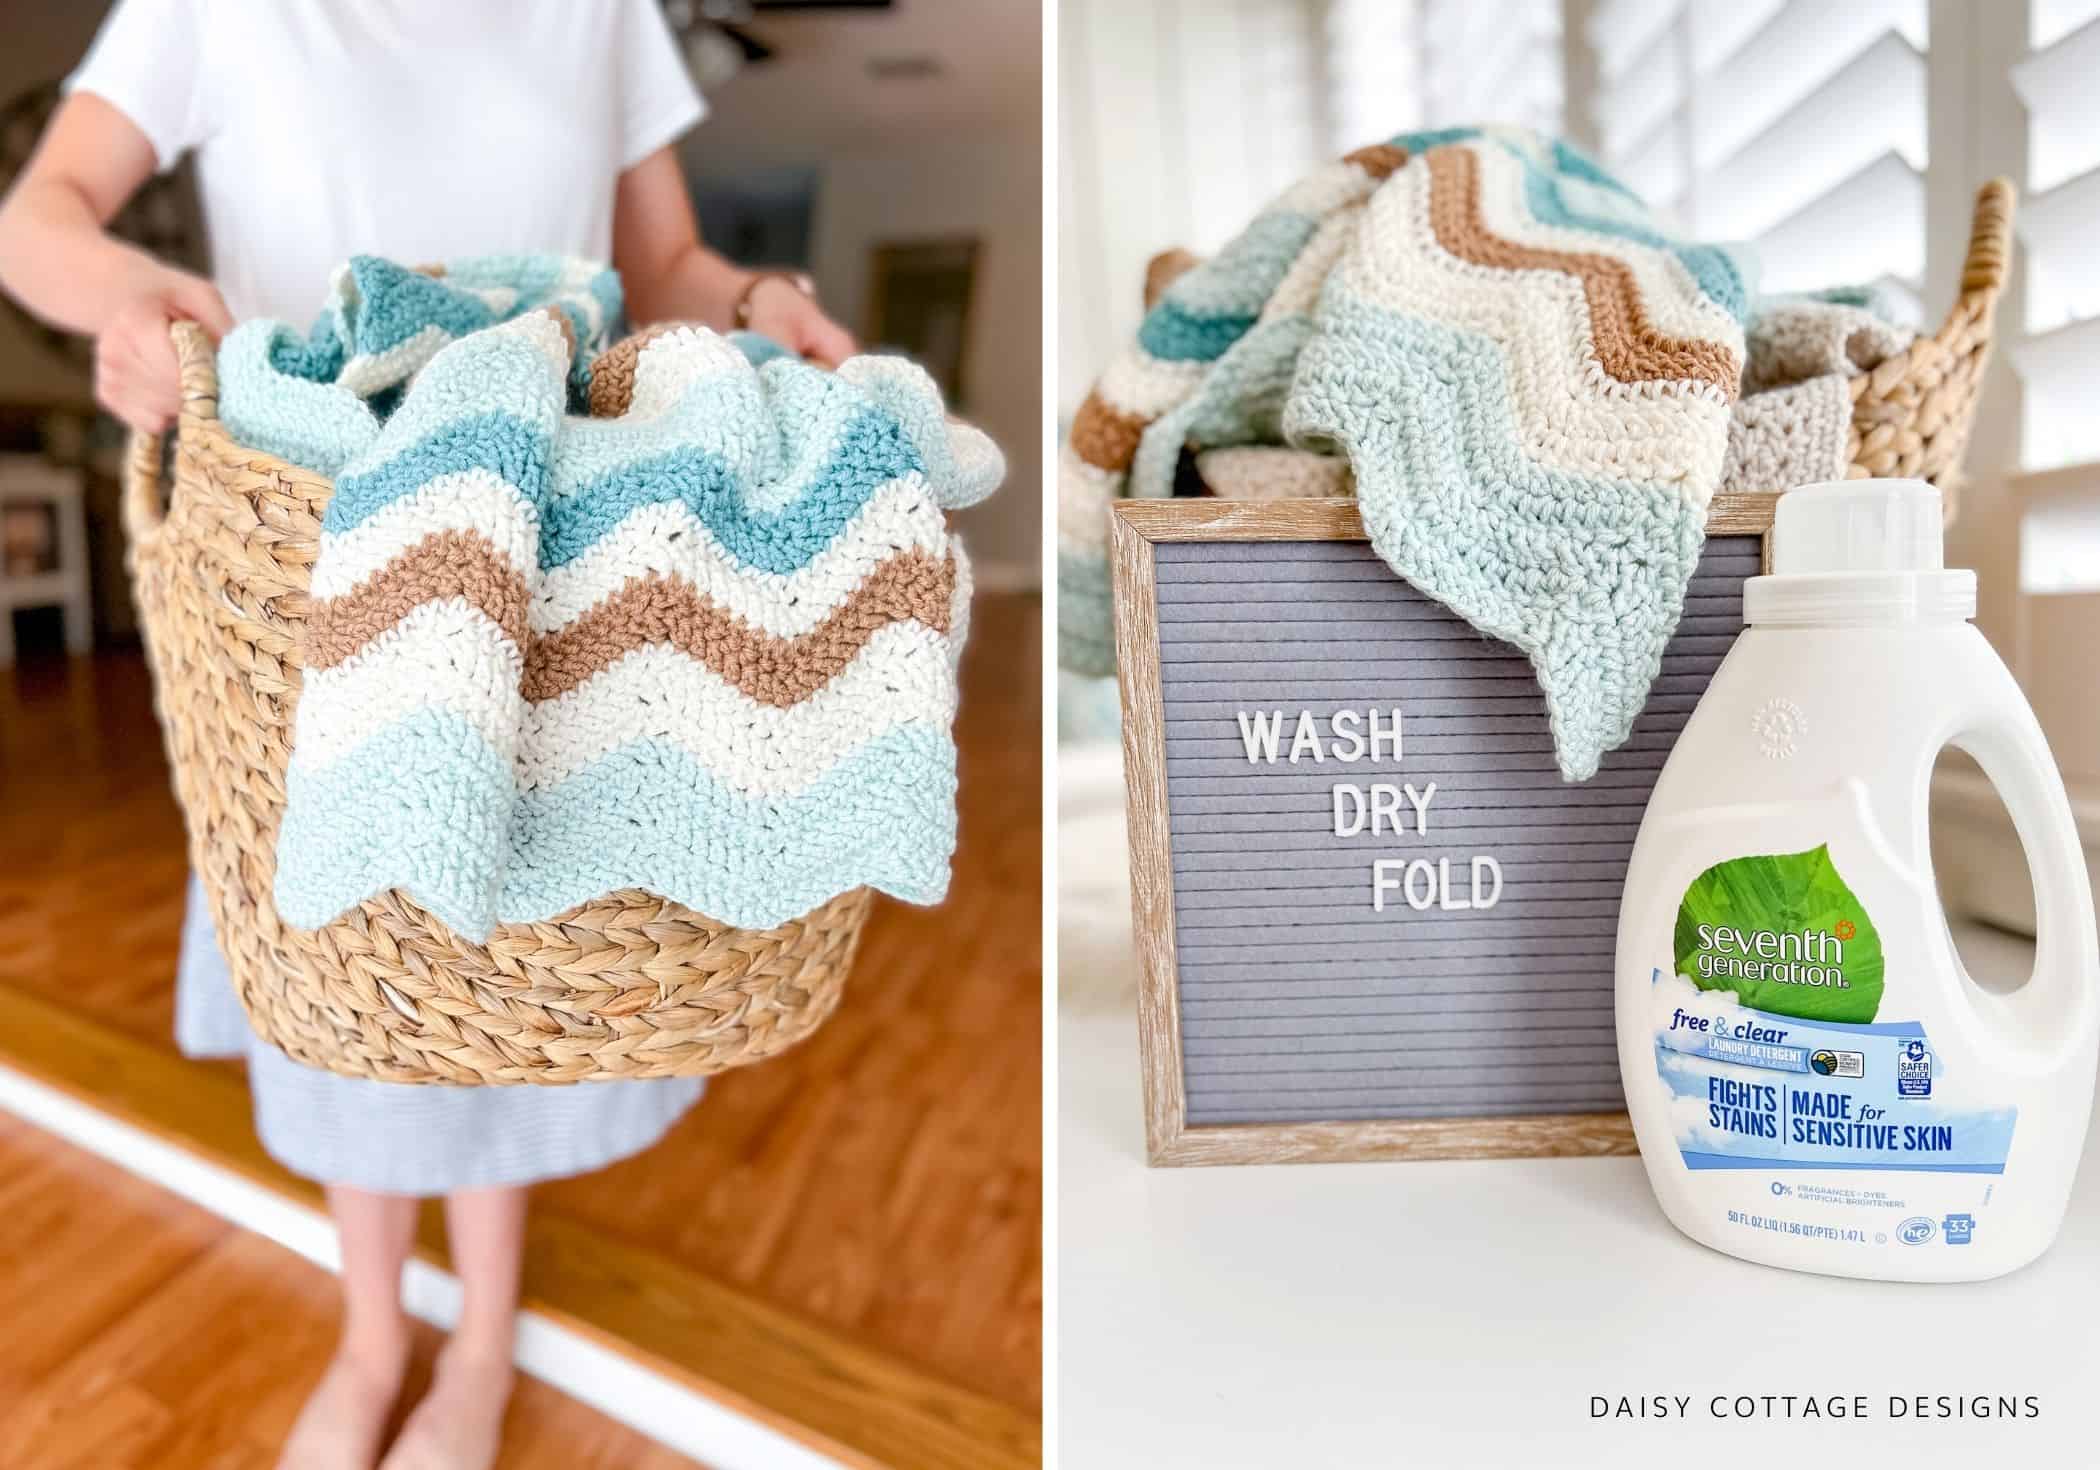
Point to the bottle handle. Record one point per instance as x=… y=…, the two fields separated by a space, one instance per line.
x=1999 y=730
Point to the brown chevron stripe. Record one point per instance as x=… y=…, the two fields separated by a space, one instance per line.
x=1104 y=437
x=452 y=563
x=1630 y=349
x=1380 y=160
x=776 y=671
x=612 y=374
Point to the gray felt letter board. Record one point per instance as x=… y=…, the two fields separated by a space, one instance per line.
x=1341 y=962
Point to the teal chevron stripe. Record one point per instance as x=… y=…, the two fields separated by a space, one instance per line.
x=871 y=452
x=1424 y=139
x=395 y=303
x=1171 y=333
x=515 y=451
x=1572 y=161
x=1214 y=305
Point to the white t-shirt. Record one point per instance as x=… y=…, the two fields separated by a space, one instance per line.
x=415 y=130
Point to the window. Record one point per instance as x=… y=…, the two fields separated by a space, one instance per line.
x=1794 y=124
x=2059 y=356
x=1393 y=67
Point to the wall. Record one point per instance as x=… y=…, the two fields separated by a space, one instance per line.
x=45 y=39
x=1179 y=120
x=990 y=186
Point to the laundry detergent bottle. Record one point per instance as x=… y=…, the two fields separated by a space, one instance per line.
x=1815 y=1080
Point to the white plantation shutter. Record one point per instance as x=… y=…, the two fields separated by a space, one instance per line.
x=1396 y=65
x=1798 y=125
x=2058 y=358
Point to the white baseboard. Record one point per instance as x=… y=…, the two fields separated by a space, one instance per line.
x=617 y=1387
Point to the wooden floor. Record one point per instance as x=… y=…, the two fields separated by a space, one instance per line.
x=145 y=1334
x=883 y=1180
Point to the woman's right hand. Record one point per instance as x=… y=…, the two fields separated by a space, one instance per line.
x=137 y=377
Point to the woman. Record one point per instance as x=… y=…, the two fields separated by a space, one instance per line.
x=323 y=129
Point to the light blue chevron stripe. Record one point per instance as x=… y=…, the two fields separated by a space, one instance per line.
x=423 y=806
x=491 y=372
x=314 y=424
x=427 y=807
x=1584 y=575
x=648 y=815
x=1086 y=642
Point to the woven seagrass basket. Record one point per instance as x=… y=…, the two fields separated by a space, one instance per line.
x=628 y=985
x=1911 y=414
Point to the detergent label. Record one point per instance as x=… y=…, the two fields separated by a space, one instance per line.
x=1750 y=1089
x=1769 y=1037
x=1784 y=933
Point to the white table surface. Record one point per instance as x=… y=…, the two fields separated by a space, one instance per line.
x=1462 y=1314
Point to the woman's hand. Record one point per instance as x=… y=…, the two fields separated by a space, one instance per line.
x=669 y=275
x=137 y=377
x=777 y=310
x=58 y=261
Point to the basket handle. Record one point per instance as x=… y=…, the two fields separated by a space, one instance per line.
x=197 y=363
x=1989 y=260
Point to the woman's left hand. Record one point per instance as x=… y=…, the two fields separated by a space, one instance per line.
x=778 y=310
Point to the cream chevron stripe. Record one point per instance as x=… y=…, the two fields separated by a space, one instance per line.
x=1629 y=345
x=959 y=603
x=368 y=372
x=1299 y=290
x=1330 y=186
x=667 y=539
x=1673 y=301
x=446 y=654
x=1084 y=493
x=671 y=363
x=468 y=500
x=1141 y=386
x=1573 y=415
x=900 y=677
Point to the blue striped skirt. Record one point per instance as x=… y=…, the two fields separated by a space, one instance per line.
x=402 y=1138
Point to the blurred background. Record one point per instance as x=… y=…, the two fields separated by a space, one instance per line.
x=1846 y=141
x=837 y=1254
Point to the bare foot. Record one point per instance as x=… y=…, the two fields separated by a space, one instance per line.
x=459 y=1424
x=345 y=1417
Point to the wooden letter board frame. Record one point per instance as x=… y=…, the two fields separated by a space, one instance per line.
x=1138 y=526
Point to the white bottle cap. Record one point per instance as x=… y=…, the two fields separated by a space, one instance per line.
x=1854 y=551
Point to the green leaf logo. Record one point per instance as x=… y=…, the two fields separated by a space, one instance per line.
x=1785 y=933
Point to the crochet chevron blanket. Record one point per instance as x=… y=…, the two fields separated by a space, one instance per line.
x=701 y=641
x=1531 y=380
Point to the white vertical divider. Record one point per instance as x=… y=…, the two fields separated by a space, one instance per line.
x=1976 y=115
